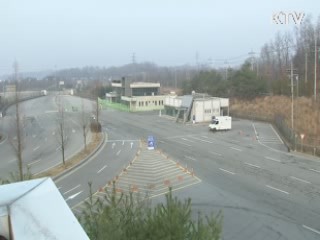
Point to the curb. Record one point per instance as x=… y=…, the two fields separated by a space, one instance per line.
x=82 y=161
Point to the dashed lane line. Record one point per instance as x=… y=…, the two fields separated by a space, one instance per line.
x=311 y=229
x=277 y=189
x=252 y=165
x=191 y=158
x=300 y=180
x=227 y=171
x=314 y=170
x=36 y=148
x=202 y=140
x=237 y=149
x=118 y=153
x=273 y=159
x=73 y=196
x=101 y=169
x=72 y=189
x=188 y=140
x=215 y=153
x=34 y=162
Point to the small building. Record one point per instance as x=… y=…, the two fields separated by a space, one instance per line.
x=198 y=107
x=137 y=96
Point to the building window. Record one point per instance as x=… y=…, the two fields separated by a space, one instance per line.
x=155 y=102
x=146 y=103
x=207 y=111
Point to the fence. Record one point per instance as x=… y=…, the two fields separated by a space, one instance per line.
x=292 y=139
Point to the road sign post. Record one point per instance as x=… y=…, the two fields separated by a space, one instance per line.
x=151 y=143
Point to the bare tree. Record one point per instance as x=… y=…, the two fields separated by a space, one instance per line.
x=84 y=124
x=17 y=140
x=62 y=129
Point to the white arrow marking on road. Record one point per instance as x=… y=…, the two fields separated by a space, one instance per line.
x=224 y=170
x=102 y=169
x=73 y=196
x=299 y=179
x=72 y=189
x=36 y=148
x=118 y=152
x=131 y=144
x=113 y=145
x=311 y=229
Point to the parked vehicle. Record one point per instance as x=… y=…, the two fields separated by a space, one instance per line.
x=220 y=123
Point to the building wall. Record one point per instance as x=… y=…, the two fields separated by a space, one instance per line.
x=144 y=103
x=203 y=110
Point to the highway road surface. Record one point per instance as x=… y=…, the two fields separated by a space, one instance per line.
x=264 y=191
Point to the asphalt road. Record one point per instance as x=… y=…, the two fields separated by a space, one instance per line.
x=41 y=147
x=264 y=191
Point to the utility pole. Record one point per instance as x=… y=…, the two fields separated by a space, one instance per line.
x=315 y=65
x=226 y=63
x=306 y=68
x=252 y=58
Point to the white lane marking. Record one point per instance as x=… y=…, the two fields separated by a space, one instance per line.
x=277 y=189
x=36 y=148
x=161 y=141
x=314 y=170
x=255 y=131
x=113 y=145
x=34 y=136
x=205 y=136
x=187 y=140
x=276 y=134
x=53 y=133
x=12 y=160
x=252 y=165
x=102 y=169
x=181 y=143
x=118 y=152
x=299 y=179
x=311 y=229
x=72 y=189
x=191 y=158
x=215 y=153
x=224 y=170
x=122 y=142
x=58 y=148
x=237 y=149
x=34 y=162
x=202 y=140
x=74 y=195
x=131 y=144
x=273 y=159
x=73 y=131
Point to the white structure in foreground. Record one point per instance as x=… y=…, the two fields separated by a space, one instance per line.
x=35 y=209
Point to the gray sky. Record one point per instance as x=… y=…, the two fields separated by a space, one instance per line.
x=43 y=34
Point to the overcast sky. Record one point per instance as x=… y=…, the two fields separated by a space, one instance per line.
x=56 y=34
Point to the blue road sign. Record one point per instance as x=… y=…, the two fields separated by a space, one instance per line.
x=151 y=143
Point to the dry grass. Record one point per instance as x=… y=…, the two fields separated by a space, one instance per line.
x=73 y=161
x=306 y=112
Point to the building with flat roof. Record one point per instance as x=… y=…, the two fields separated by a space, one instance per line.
x=137 y=96
x=197 y=107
